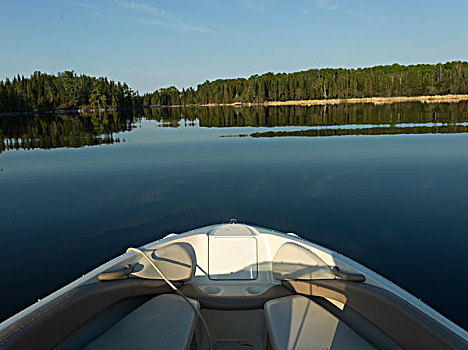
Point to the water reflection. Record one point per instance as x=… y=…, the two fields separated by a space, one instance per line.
x=60 y=130
x=397 y=113
x=390 y=130
x=54 y=131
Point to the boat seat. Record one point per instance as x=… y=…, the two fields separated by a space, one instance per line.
x=297 y=323
x=164 y=322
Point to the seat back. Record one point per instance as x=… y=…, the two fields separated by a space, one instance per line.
x=294 y=262
x=177 y=261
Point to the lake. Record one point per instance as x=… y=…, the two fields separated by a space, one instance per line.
x=385 y=185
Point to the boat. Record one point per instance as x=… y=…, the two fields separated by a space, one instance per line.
x=231 y=286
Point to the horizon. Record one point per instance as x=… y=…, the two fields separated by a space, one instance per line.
x=151 y=45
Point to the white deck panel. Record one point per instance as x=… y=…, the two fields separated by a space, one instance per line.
x=232 y=258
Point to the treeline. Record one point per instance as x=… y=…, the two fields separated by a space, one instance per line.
x=67 y=90
x=379 y=81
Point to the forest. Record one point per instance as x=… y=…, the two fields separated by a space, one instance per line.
x=378 y=81
x=64 y=91
x=69 y=91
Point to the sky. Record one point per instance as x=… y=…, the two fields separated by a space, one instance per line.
x=152 y=44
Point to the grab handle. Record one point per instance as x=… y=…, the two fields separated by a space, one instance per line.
x=109 y=276
x=355 y=277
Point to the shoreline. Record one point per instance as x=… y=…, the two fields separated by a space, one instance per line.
x=62 y=111
x=322 y=102
x=335 y=101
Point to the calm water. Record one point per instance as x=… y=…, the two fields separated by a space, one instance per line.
x=391 y=192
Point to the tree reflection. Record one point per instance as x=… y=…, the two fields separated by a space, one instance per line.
x=343 y=114
x=60 y=130
x=392 y=130
x=48 y=131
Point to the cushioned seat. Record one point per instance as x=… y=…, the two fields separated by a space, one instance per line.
x=297 y=323
x=165 y=322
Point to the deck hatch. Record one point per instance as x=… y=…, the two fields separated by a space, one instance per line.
x=232 y=258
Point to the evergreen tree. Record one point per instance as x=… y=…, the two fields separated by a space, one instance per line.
x=378 y=81
x=66 y=90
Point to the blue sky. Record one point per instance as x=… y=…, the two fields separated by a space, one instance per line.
x=151 y=44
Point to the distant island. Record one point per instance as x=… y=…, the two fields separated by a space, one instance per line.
x=447 y=82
